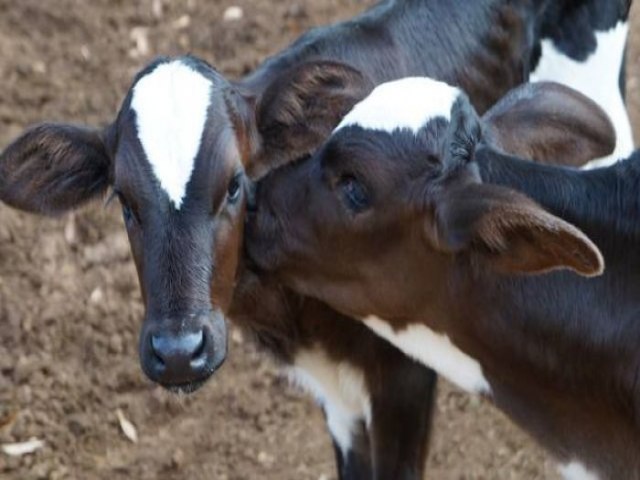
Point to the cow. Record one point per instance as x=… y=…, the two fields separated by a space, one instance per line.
x=187 y=143
x=488 y=268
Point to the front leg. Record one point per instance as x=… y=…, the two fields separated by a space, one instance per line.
x=401 y=420
x=353 y=460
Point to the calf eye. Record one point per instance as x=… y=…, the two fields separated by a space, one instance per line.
x=127 y=214
x=233 y=191
x=355 y=195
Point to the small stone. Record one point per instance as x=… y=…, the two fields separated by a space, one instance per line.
x=183 y=22
x=39 y=67
x=24 y=369
x=115 y=343
x=233 y=13
x=140 y=37
x=157 y=8
x=177 y=459
x=71 y=230
x=265 y=459
x=85 y=52
x=96 y=296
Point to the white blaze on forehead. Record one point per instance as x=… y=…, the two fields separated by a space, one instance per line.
x=407 y=103
x=436 y=352
x=171 y=104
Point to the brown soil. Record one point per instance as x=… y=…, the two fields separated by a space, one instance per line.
x=70 y=304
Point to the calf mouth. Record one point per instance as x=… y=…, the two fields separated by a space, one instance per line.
x=190 y=387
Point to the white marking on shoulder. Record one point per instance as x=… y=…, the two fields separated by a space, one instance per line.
x=435 y=351
x=598 y=78
x=338 y=387
x=576 y=471
x=407 y=103
x=171 y=104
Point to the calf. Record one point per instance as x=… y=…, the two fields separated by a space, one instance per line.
x=186 y=143
x=418 y=225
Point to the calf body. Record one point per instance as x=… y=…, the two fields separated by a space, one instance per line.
x=425 y=235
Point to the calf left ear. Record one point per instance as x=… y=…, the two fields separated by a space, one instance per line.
x=511 y=232
x=301 y=108
x=54 y=167
x=550 y=123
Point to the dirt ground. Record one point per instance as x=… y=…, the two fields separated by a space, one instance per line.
x=70 y=303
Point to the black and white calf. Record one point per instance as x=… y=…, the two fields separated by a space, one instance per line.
x=415 y=223
x=187 y=143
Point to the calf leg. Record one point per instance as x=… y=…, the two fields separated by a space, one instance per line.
x=401 y=420
x=377 y=402
x=356 y=462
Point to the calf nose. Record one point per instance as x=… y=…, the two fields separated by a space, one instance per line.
x=177 y=359
x=184 y=353
x=181 y=352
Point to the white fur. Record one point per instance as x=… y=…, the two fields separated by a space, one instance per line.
x=597 y=78
x=338 y=387
x=576 y=471
x=435 y=351
x=171 y=104
x=407 y=103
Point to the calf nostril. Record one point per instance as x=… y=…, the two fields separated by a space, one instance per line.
x=156 y=351
x=199 y=357
x=199 y=350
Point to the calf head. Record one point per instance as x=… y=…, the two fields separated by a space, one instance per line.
x=179 y=156
x=372 y=222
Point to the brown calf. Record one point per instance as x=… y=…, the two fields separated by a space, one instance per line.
x=421 y=228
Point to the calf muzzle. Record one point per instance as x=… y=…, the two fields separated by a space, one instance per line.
x=182 y=353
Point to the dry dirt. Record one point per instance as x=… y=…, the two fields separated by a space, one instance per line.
x=70 y=303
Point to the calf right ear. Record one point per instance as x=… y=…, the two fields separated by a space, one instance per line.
x=300 y=109
x=510 y=232
x=550 y=123
x=52 y=168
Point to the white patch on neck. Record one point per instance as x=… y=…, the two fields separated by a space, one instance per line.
x=597 y=78
x=171 y=104
x=339 y=388
x=435 y=351
x=407 y=103
x=576 y=471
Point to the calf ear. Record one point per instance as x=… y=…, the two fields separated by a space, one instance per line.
x=53 y=168
x=301 y=108
x=511 y=232
x=550 y=123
